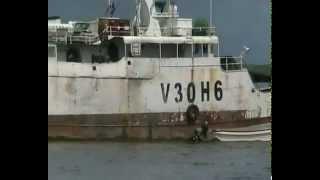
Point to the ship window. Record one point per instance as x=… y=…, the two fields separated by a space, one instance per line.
x=160 y=5
x=169 y=50
x=205 y=50
x=150 y=50
x=197 y=50
x=52 y=52
x=81 y=27
x=200 y=50
x=73 y=55
x=185 y=50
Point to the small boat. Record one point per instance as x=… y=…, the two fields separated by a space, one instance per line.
x=260 y=135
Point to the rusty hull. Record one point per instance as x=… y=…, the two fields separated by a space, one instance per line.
x=144 y=126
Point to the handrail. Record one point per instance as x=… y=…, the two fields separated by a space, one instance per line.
x=165 y=14
x=207 y=31
x=230 y=66
x=116 y=30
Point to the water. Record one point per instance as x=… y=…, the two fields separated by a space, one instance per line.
x=163 y=161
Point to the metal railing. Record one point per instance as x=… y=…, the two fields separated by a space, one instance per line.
x=67 y=36
x=71 y=38
x=190 y=31
x=165 y=14
x=231 y=63
x=87 y=39
x=58 y=36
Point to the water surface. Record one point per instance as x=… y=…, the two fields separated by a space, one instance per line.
x=159 y=161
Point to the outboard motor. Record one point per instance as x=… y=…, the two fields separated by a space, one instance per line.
x=197 y=135
x=200 y=133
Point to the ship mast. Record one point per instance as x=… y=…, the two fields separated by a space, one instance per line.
x=211 y=8
x=111 y=8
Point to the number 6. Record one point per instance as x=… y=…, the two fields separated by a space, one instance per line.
x=218 y=91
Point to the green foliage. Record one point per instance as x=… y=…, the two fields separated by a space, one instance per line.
x=260 y=73
x=200 y=23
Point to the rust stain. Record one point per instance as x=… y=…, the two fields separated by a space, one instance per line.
x=70 y=86
x=143 y=125
x=143 y=119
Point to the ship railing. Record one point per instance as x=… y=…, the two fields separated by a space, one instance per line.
x=165 y=31
x=87 y=39
x=65 y=36
x=181 y=31
x=58 y=36
x=203 y=31
x=114 y=31
x=231 y=63
x=165 y=14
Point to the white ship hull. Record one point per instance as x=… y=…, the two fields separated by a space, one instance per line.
x=162 y=88
x=150 y=93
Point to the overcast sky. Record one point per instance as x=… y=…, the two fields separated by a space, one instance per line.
x=238 y=22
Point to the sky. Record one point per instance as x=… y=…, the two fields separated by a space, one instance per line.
x=238 y=23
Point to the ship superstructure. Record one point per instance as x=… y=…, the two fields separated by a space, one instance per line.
x=142 y=76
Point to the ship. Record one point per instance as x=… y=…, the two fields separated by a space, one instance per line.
x=153 y=77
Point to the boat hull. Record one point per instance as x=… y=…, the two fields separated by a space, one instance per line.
x=152 y=126
x=264 y=135
x=149 y=99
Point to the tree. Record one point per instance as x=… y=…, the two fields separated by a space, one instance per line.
x=200 y=27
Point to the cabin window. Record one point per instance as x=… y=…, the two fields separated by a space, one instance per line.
x=150 y=50
x=200 y=50
x=197 y=50
x=205 y=50
x=169 y=50
x=81 y=27
x=185 y=50
x=73 y=55
x=160 y=5
x=155 y=50
x=52 y=52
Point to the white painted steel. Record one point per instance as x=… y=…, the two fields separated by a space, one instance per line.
x=244 y=136
x=133 y=84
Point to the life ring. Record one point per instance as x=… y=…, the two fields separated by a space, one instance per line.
x=192 y=113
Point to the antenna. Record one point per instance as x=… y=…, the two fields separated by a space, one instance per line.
x=211 y=16
x=111 y=8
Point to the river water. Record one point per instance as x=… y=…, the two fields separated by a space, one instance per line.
x=159 y=161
